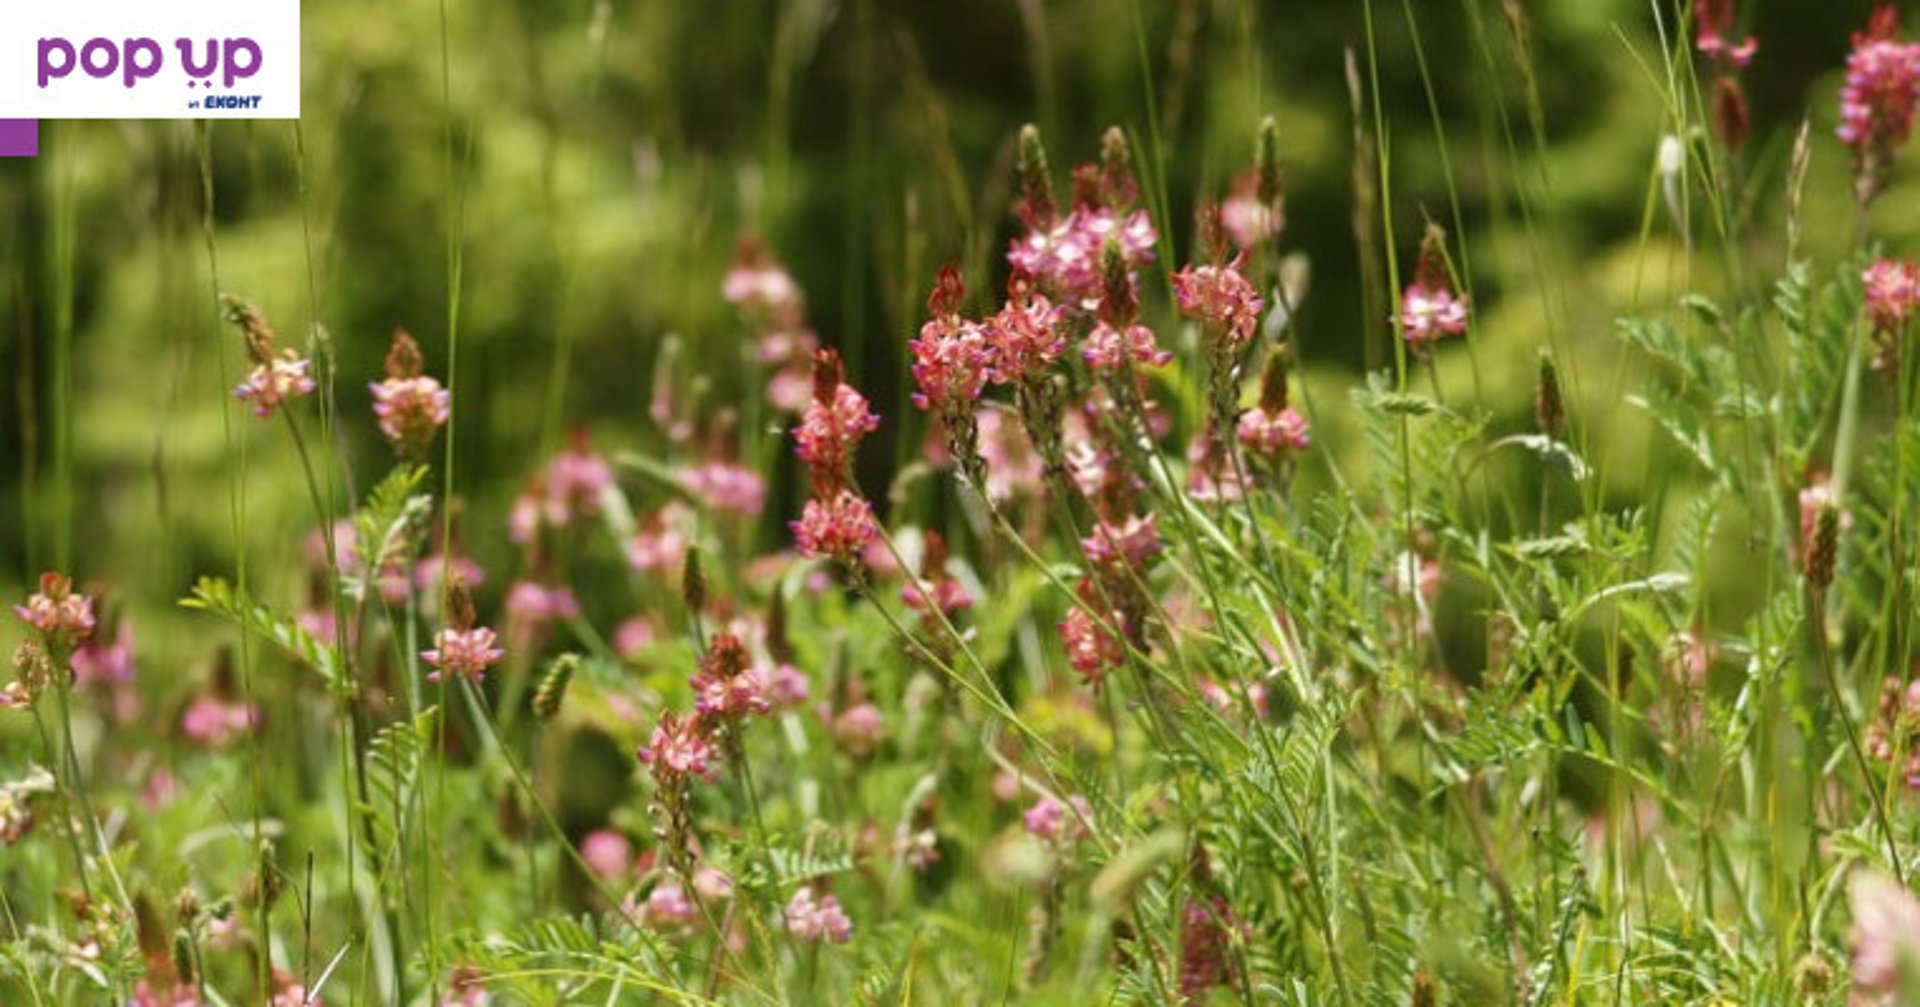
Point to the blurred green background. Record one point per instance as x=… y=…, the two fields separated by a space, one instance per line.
x=592 y=164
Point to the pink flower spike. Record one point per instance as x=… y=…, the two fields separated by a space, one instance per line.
x=1273 y=434
x=279 y=379
x=1429 y=313
x=61 y=616
x=1221 y=297
x=1107 y=348
x=468 y=652
x=679 y=748
x=816 y=920
x=837 y=528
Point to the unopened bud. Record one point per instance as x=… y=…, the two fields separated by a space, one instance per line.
x=552 y=690
x=693 y=582
x=1037 y=208
x=1548 y=409
x=403 y=359
x=1266 y=162
x=1118 y=189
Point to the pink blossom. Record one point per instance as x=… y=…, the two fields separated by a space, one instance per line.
x=213 y=722
x=837 y=528
x=668 y=907
x=1248 y=220
x=1273 y=433
x=727 y=687
x=787 y=686
x=727 y=488
x=99 y=663
x=608 y=852
x=1107 y=348
x=951 y=363
x=275 y=381
x=1714 y=19
x=633 y=635
x=1883 y=85
x=1892 y=292
x=579 y=477
x=822 y=919
x=1885 y=939
x=1091 y=650
x=1024 y=339
x=531 y=603
x=660 y=543
x=1132 y=543
x=411 y=410
x=833 y=424
x=1220 y=296
x=1065 y=260
x=859 y=729
x=468 y=652
x=1050 y=821
x=60 y=615
x=679 y=747
x=1428 y=313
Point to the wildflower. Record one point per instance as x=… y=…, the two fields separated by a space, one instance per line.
x=213 y=721
x=1877 y=102
x=1429 y=310
x=1206 y=931
x=1895 y=734
x=837 y=528
x=727 y=687
x=1221 y=298
x=1273 y=433
x=787 y=687
x=760 y=285
x=947 y=593
x=1821 y=522
x=668 y=908
x=62 y=617
x=466 y=988
x=97 y=662
x=859 y=729
x=1885 y=939
x=952 y=361
x=822 y=919
x=275 y=380
x=1713 y=20
x=578 y=478
x=1091 y=650
x=609 y=853
x=1110 y=349
x=531 y=603
x=1052 y=822
x=633 y=635
x=1024 y=338
x=411 y=406
x=1892 y=293
x=661 y=540
x=468 y=652
x=728 y=488
x=1249 y=219
x=832 y=425
x=1130 y=544
x=679 y=748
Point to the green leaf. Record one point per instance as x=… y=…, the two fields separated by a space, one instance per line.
x=215 y=595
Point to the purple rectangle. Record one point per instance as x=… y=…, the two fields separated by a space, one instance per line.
x=19 y=137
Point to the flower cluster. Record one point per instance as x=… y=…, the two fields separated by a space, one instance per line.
x=1221 y=298
x=572 y=487
x=277 y=374
x=816 y=919
x=1886 y=940
x=838 y=522
x=61 y=616
x=1894 y=737
x=461 y=648
x=1878 y=99
x=1054 y=822
x=729 y=688
x=410 y=406
x=680 y=747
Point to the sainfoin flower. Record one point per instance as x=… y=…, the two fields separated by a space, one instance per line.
x=61 y=616
x=1108 y=348
x=1878 y=99
x=1091 y=650
x=1132 y=543
x=833 y=424
x=951 y=362
x=1885 y=939
x=410 y=406
x=1714 y=21
x=1219 y=296
x=1892 y=291
x=817 y=919
x=214 y=722
x=468 y=652
x=859 y=729
x=1428 y=313
x=835 y=528
x=727 y=488
x=679 y=747
x=1272 y=434
x=1052 y=821
x=274 y=381
x=728 y=687
x=1024 y=338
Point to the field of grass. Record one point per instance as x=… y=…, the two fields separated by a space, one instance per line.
x=1379 y=502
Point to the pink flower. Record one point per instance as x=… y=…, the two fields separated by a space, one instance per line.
x=1091 y=650
x=1883 y=84
x=1219 y=296
x=1050 y=821
x=727 y=488
x=579 y=477
x=951 y=363
x=1024 y=339
x=411 y=410
x=669 y=908
x=530 y=603
x=712 y=883
x=1892 y=292
x=679 y=748
x=837 y=528
x=97 y=662
x=833 y=424
x=633 y=635
x=817 y=920
x=1714 y=19
x=62 y=617
x=1886 y=939
x=1246 y=219
x=1429 y=312
x=1131 y=544
x=608 y=852
x=214 y=722
x=468 y=652
x=660 y=543
x=1107 y=348
x=727 y=687
x=760 y=285
x=787 y=687
x=1273 y=434
x=275 y=381
x=859 y=729
x=1817 y=496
